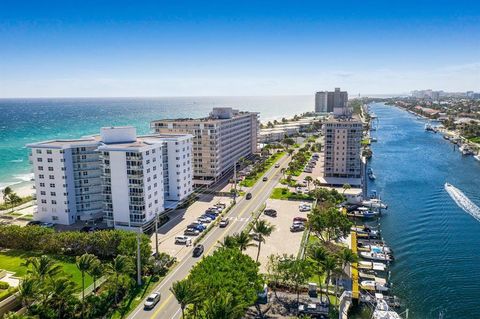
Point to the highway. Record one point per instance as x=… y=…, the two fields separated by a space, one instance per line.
x=239 y=216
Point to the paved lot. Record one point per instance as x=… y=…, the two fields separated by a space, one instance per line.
x=282 y=241
x=179 y=220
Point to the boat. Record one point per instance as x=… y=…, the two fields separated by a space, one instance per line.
x=366 y=232
x=370 y=174
x=429 y=127
x=375 y=248
x=376 y=256
x=382 y=311
x=373 y=285
x=463 y=201
x=477 y=157
x=373 y=139
x=446 y=137
x=360 y=213
x=374 y=203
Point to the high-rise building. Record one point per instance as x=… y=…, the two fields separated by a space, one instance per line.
x=124 y=178
x=326 y=102
x=321 y=102
x=220 y=140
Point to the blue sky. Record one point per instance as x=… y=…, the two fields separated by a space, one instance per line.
x=190 y=48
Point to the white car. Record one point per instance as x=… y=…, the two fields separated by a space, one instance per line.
x=152 y=300
x=183 y=240
x=305 y=207
x=204 y=220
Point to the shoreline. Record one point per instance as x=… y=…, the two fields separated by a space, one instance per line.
x=23 y=189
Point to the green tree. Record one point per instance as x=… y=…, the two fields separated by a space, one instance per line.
x=346 y=187
x=119 y=267
x=296 y=272
x=27 y=291
x=185 y=293
x=243 y=240
x=84 y=264
x=262 y=229
x=330 y=265
x=308 y=179
x=95 y=271
x=6 y=192
x=62 y=297
x=318 y=254
x=42 y=267
x=224 y=306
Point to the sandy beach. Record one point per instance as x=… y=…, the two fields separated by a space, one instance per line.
x=22 y=189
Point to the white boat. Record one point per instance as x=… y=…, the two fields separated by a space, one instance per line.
x=374 y=203
x=377 y=249
x=373 y=285
x=382 y=311
x=376 y=256
x=477 y=157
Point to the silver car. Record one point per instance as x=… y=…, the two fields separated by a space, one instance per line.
x=152 y=300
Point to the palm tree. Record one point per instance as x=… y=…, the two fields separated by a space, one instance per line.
x=243 y=240
x=316 y=183
x=6 y=194
x=121 y=265
x=27 y=290
x=283 y=170
x=185 y=293
x=290 y=151
x=95 y=271
x=345 y=187
x=15 y=200
x=308 y=179
x=318 y=255
x=62 y=291
x=346 y=256
x=224 y=306
x=262 y=229
x=330 y=265
x=84 y=263
x=42 y=267
x=229 y=242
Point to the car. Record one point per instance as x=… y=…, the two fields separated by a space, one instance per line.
x=183 y=240
x=222 y=205
x=249 y=196
x=300 y=219
x=299 y=190
x=270 y=212
x=265 y=178
x=47 y=225
x=304 y=207
x=298 y=222
x=152 y=301
x=34 y=223
x=297 y=228
x=224 y=222
x=204 y=220
x=88 y=229
x=277 y=165
x=191 y=232
x=212 y=216
x=307 y=170
x=198 y=250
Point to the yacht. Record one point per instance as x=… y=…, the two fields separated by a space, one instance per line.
x=376 y=256
x=372 y=285
x=429 y=127
x=374 y=203
x=382 y=311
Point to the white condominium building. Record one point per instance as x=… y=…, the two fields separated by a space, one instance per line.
x=117 y=175
x=220 y=140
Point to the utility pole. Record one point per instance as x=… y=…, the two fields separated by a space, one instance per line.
x=156 y=235
x=235 y=182
x=139 y=262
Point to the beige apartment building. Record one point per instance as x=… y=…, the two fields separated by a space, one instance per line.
x=220 y=140
x=342 y=162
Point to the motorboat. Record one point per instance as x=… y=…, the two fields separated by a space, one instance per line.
x=382 y=311
x=365 y=231
x=374 y=203
x=363 y=213
x=376 y=256
x=373 y=285
x=477 y=157
x=429 y=127
x=378 y=248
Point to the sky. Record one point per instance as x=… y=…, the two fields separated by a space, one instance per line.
x=213 y=48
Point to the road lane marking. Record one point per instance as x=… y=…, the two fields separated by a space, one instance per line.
x=241 y=213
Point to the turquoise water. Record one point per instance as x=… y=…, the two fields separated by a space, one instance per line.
x=436 y=244
x=32 y=120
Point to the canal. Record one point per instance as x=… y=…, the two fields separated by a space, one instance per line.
x=436 y=244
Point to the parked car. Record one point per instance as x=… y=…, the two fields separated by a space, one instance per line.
x=198 y=250
x=47 y=225
x=34 y=223
x=270 y=212
x=223 y=223
x=88 y=229
x=300 y=219
x=212 y=216
x=307 y=170
x=196 y=226
x=305 y=207
x=183 y=240
x=265 y=178
x=204 y=220
x=152 y=301
x=277 y=165
x=191 y=232
x=297 y=227
x=249 y=196
x=299 y=190
x=222 y=205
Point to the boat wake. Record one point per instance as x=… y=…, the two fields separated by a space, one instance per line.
x=463 y=201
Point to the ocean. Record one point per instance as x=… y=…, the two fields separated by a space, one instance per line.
x=24 y=121
x=436 y=243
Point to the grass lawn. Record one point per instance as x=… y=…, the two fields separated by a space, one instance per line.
x=474 y=139
x=285 y=194
x=12 y=260
x=250 y=180
x=14 y=214
x=23 y=200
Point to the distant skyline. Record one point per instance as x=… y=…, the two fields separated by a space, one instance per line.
x=240 y=48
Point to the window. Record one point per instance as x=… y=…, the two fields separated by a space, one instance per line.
x=43 y=193
x=49 y=151
x=52 y=185
x=51 y=177
x=44 y=201
x=39 y=159
x=53 y=194
x=38 y=151
x=42 y=184
x=54 y=202
x=40 y=168
x=50 y=160
x=41 y=176
x=50 y=169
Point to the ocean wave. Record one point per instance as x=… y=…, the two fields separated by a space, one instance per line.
x=24 y=177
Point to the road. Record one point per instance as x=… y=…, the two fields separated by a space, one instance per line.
x=239 y=216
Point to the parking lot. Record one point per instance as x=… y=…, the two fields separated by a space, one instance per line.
x=179 y=220
x=281 y=241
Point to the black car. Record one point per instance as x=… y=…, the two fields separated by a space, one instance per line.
x=198 y=250
x=249 y=196
x=88 y=229
x=34 y=223
x=270 y=212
